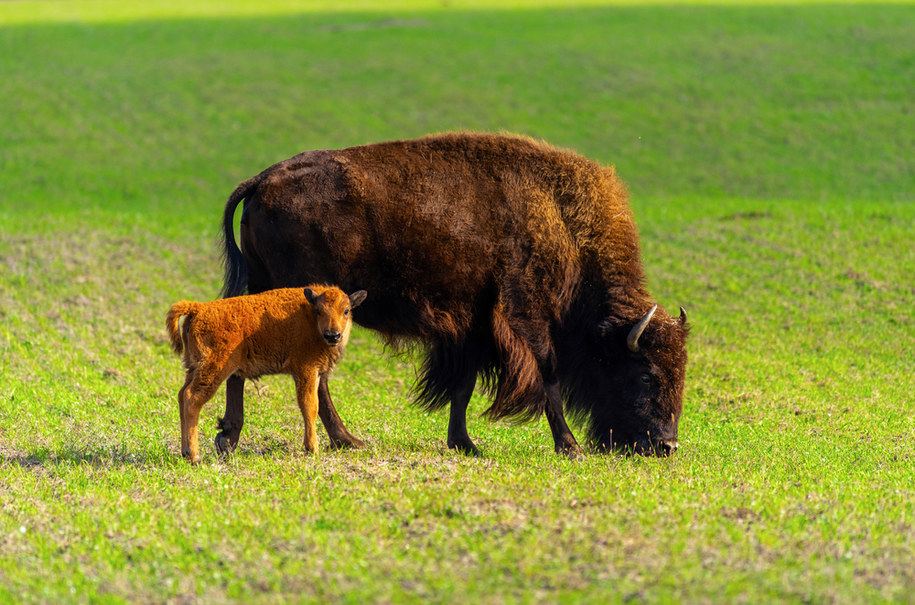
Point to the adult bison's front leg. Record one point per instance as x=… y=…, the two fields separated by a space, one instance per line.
x=231 y=423
x=562 y=435
x=460 y=394
x=333 y=424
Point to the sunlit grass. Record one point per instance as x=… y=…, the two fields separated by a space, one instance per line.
x=98 y=11
x=767 y=150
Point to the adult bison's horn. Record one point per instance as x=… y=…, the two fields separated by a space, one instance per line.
x=682 y=316
x=632 y=341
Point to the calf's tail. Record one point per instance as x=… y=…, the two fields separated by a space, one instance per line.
x=185 y=307
x=236 y=270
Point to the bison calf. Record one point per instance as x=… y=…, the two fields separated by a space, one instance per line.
x=285 y=331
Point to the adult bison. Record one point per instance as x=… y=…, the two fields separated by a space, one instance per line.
x=505 y=257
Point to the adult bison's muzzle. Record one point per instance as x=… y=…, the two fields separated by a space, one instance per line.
x=507 y=259
x=660 y=442
x=652 y=447
x=645 y=446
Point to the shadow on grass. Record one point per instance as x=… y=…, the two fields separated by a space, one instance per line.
x=98 y=456
x=114 y=456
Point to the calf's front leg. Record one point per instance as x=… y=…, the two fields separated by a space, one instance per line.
x=306 y=389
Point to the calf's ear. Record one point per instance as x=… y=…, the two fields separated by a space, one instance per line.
x=356 y=298
x=310 y=296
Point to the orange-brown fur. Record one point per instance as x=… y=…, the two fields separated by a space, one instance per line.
x=275 y=332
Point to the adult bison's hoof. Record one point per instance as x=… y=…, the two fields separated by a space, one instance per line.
x=466 y=447
x=346 y=443
x=227 y=436
x=223 y=444
x=572 y=450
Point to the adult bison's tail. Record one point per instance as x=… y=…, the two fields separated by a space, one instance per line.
x=236 y=270
x=185 y=307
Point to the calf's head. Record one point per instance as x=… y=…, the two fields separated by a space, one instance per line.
x=333 y=313
x=630 y=383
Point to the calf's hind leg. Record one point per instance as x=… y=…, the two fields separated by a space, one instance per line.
x=182 y=396
x=201 y=389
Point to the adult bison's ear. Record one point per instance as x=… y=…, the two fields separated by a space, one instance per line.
x=356 y=298
x=604 y=329
x=310 y=296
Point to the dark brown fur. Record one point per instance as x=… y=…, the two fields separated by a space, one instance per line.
x=506 y=257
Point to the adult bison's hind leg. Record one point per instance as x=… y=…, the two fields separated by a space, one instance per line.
x=339 y=437
x=449 y=375
x=231 y=424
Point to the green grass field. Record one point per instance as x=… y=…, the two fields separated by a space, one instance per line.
x=769 y=152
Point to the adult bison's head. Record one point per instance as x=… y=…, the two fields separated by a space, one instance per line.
x=628 y=386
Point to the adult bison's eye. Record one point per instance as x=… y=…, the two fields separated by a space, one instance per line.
x=645 y=378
